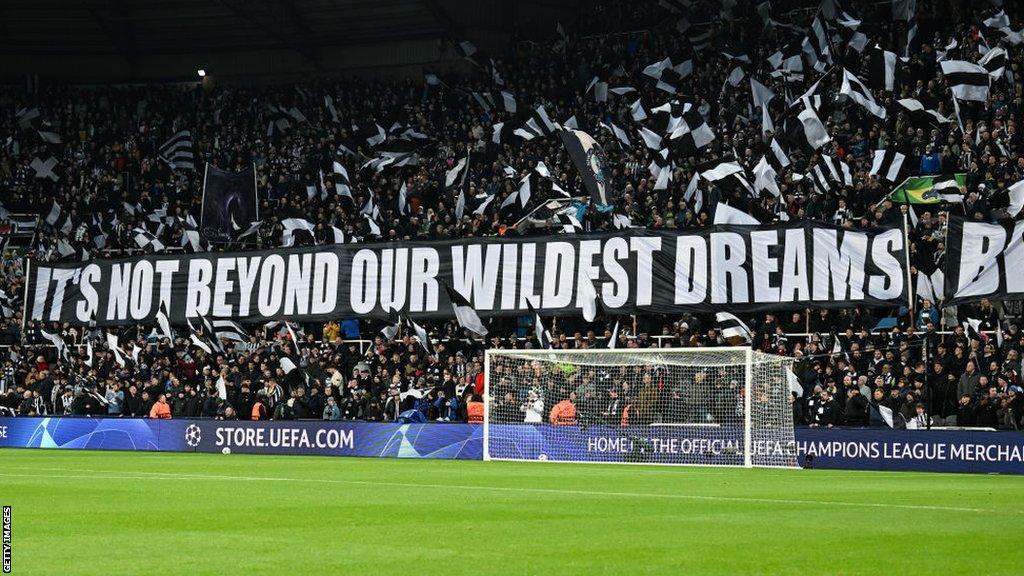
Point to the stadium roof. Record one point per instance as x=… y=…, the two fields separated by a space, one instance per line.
x=139 y=27
x=138 y=36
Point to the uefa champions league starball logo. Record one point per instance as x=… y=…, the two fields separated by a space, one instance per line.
x=193 y=435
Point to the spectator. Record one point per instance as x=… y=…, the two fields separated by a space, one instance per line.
x=115 y=399
x=965 y=412
x=160 y=409
x=532 y=409
x=331 y=411
x=856 y=413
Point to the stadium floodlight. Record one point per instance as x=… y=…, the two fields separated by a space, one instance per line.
x=201 y=72
x=724 y=406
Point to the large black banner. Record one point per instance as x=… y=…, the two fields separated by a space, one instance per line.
x=984 y=261
x=229 y=203
x=636 y=271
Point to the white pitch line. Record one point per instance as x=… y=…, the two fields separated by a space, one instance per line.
x=635 y=471
x=556 y=491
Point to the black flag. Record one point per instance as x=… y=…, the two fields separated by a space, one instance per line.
x=592 y=163
x=227 y=197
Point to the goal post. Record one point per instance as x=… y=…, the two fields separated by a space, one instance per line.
x=726 y=406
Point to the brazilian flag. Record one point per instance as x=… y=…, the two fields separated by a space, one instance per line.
x=930 y=189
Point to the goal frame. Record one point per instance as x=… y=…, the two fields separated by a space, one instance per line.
x=748 y=355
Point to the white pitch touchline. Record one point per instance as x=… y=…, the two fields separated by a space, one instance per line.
x=174 y=476
x=683 y=471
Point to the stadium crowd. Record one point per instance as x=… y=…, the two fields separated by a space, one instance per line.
x=109 y=179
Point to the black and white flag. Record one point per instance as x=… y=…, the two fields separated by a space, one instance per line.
x=693 y=132
x=725 y=214
x=815 y=45
x=112 y=345
x=403 y=200
x=734 y=331
x=282 y=119
x=177 y=151
x=972 y=328
x=614 y=338
x=967 y=81
x=777 y=156
x=455 y=184
x=887 y=164
x=766 y=178
x=163 y=321
x=53 y=216
x=728 y=175
x=539 y=125
x=422 y=337
x=229 y=330
x=520 y=196
x=371 y=223
x=567 y=219
x=759 y=93
x=699 y=40
x=147 y=241
x=807 y=129
x=999 y=20
x=45 y=168
x=837 y=347
x=58 y=342
x=920 y=115
x=651 y=139
x=994 y=61
x=619 y=133
x=393 y=327
x=859 y=93
x=830 y=172
x=464 y=312
x=342 y=185
x=292 y=226
x=883 y=69
x=539 y=331
x=1012 y=199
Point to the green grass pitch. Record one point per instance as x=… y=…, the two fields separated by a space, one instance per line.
x=109 y=513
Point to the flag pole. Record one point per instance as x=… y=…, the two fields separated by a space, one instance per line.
x=942 y=305
x=906 y=258
x=544 y=204
x=889 y=195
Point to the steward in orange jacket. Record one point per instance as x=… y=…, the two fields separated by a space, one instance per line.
x=475 y=411
x=160 y=409
x=564 y=413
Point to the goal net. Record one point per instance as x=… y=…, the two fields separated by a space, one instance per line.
x=711 y=406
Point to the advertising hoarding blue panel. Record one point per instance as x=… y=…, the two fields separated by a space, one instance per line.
x=448 y=441
x=858 y=449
